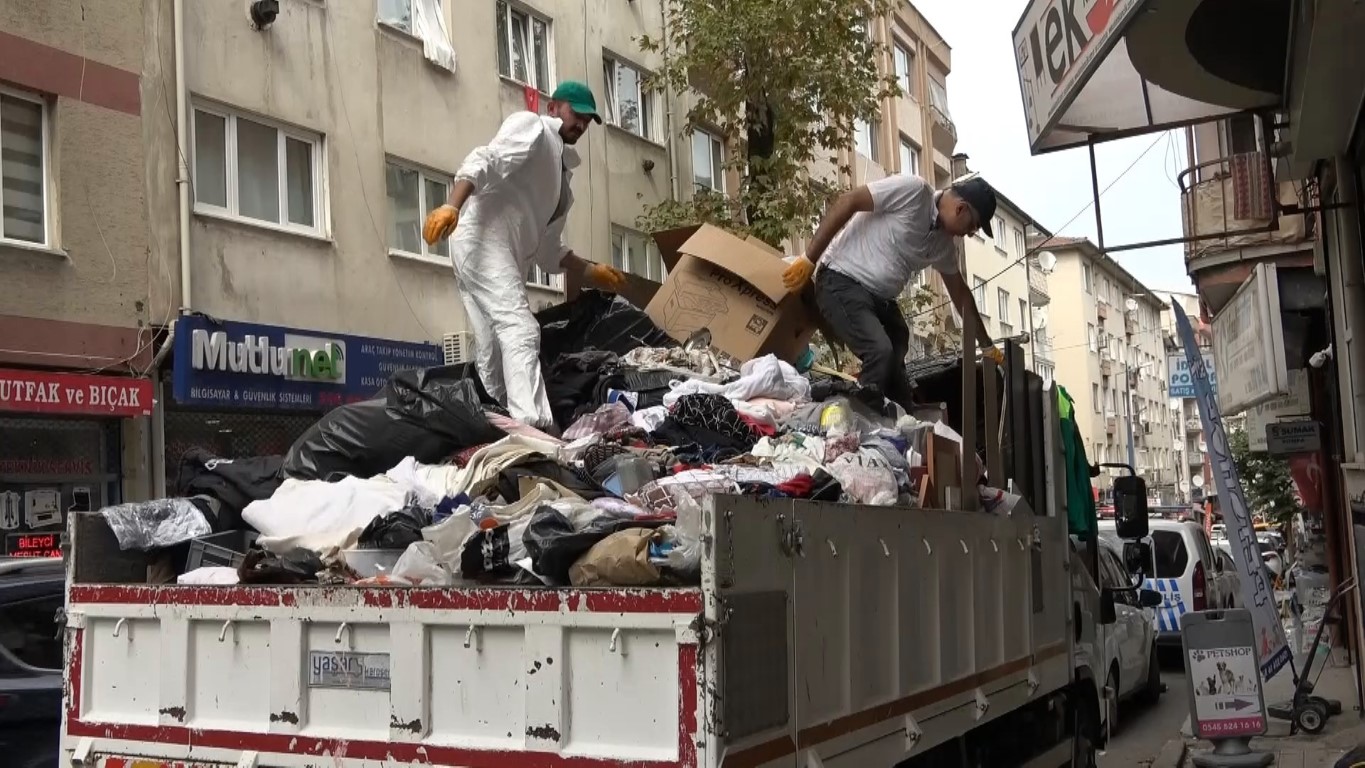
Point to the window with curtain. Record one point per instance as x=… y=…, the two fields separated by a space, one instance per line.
x=708 y=161
x=257 y=171
x=23 y=170
x=412 y=193
x=524 y=47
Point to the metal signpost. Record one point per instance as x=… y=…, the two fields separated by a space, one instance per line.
x=1226 y=703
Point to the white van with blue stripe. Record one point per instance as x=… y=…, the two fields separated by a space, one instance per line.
x=1188 y=574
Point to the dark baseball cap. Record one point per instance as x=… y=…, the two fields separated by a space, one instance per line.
x=981 y=198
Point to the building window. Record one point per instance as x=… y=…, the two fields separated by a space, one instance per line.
x=1087 y=279
x=865 y=134
x=23 y=169
x=524 y=47
x=537 y=276
x=708 y=161
x=630 y=105
x=399 y=13
x=905 y=70
x=1024 y=314
x=1092 y=337
x=411 y=194
x=1003 y=301
x=1095 y=396
x=1241 y=132
x=938 y=97
x=999 y=229
x=637 y=254
x=1020 y=246
x=909 y=157
x=250 y=169
x=979 y=293
x=1006 y=330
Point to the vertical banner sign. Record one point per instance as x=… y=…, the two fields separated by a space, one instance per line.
x=1257 y=594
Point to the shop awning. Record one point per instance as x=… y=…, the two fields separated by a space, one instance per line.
x=1092 y=70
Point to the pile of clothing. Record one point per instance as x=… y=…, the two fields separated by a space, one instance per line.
x=431 y=484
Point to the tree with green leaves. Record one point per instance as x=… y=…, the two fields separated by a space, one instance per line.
x=783 y=81
x=1266 y=480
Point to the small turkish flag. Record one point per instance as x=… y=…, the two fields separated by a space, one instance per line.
x=532 y=99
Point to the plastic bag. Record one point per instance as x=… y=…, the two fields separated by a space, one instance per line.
x=555 y=543
x=426 y=414
x=146 y=525
x=621 y=559
x=596 y=320
x=678 y=553
x=420 y=565
x=397 y=530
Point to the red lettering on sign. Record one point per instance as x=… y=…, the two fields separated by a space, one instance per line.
x=74 y=394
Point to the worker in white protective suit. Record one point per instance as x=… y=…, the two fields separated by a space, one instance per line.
x=507 y=211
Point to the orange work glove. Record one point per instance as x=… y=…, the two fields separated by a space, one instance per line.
x=605 y=277
x=797 y=274
x=994 y=353
x=440 y=223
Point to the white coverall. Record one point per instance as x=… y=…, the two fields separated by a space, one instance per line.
x=514 y=219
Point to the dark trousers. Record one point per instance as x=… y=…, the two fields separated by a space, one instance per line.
x=872 y=328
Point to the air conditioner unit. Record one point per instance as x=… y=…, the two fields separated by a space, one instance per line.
x=458 y=347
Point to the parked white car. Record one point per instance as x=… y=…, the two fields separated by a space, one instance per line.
x=1130 y=642
x=1189 y=574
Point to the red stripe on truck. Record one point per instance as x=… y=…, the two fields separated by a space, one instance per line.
x=446 y=599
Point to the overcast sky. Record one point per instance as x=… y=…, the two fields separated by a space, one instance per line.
x=983 y=94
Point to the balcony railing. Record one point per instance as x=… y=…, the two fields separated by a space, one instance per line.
x=1102 y=310
x=1037 y=285
x=1195 y=459
x=1194 y=425
x=1211 y=208
x=944 y=131
x=1130 y=323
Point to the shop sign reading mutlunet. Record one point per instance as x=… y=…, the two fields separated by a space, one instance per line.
x=244 y=365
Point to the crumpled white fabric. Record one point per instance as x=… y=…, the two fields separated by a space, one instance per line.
x=649 y=418
x=514 y=220
x=797 y=449
x=761 y=377
x=211 y=575
x=316 y=515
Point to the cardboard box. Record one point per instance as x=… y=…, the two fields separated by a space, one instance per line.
x=731 y=286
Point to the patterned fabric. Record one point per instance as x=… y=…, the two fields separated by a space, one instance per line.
x=595 y=456
x=713 y=412
x=1251 y=195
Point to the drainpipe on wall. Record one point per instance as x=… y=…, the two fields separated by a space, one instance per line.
x=182 y=184
x=672 y=144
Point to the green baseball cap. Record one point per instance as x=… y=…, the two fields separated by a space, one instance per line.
x=578 y=97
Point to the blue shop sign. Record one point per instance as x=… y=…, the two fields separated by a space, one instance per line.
x=243 y=365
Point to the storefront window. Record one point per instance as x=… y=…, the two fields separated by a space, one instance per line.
x=50 y=468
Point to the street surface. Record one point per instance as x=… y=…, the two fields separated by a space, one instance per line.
x=1143 y=731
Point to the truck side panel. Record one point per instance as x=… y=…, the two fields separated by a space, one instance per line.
x=899 y=628
x=472 y=677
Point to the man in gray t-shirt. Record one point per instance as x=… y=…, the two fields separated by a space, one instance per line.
x=873 y=240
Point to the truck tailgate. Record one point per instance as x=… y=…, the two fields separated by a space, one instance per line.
x=462 y=677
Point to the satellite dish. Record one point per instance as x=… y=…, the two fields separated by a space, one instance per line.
x=1184 y=487
x=1198 y=481
x=1130 y=304
x=1047 y=261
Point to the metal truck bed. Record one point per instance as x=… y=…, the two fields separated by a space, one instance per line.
x=862 y=635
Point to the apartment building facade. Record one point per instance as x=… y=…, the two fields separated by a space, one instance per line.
x=1110 y=358
x=318 y=141
x=77 y=258
x=1194 y=472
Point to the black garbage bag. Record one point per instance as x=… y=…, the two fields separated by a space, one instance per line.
x=298 y=566
x=427 y=414
x=554 y=545
x=234 y=483
x=396 y=530
x=596 y=320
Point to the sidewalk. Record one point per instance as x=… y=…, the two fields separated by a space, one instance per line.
x=1343 y=731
